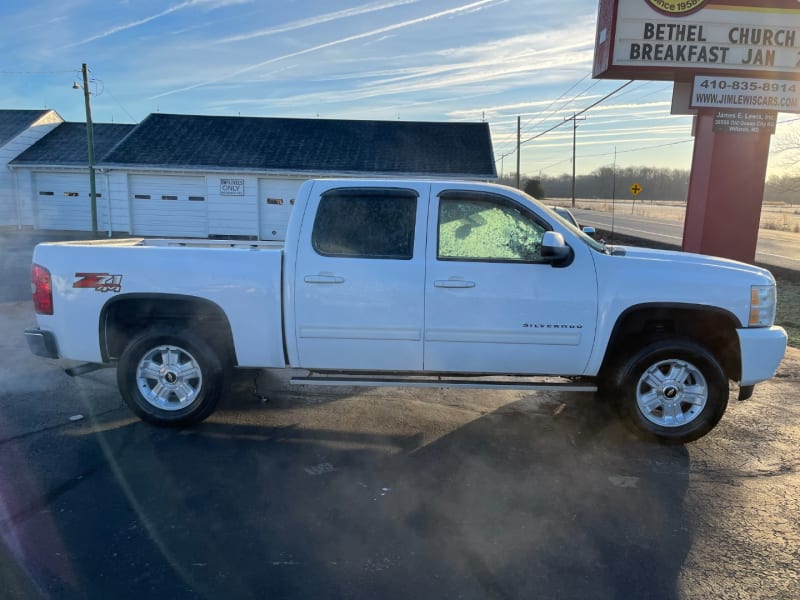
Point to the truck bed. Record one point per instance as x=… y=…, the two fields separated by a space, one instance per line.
x=176 y=242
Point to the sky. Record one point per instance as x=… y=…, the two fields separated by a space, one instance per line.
x=412 y=60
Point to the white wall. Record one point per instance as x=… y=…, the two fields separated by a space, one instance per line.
x=118 y=193
x=275 y=204
x=10 y=212
x=232 y=214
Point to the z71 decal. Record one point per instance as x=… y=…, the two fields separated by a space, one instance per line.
x=101 y=282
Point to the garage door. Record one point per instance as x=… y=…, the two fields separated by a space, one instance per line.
x=275 y=203
x=62 y=201
x=169 y=206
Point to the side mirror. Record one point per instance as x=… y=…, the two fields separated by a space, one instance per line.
x=590 y=231
x=555 y=249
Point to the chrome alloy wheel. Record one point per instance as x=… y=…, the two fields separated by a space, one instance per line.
x=169 y=377
x=671 y=393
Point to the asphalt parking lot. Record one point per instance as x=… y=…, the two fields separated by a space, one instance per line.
x=291 y=492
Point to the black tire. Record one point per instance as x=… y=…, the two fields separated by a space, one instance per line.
x=171 y=378
x=673 y=390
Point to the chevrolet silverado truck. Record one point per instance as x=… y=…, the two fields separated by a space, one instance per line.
x=413 y=283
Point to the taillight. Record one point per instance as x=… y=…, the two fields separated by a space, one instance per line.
x=42 y=288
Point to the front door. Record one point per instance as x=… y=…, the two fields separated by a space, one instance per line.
x=359 y=279
x=493 y=305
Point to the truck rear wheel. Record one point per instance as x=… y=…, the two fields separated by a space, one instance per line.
x=673 y=390
x=170 y=378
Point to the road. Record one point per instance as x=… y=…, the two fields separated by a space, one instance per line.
x=289 y=492
x=775 y=248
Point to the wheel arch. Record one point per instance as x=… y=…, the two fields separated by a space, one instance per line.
x=713 y=327
x=126 y=315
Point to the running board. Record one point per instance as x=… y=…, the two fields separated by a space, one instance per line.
x=482 y=384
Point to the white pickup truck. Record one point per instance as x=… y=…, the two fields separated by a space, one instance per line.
x=420 y=283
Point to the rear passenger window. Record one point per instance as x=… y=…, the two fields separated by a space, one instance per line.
x=366 y=223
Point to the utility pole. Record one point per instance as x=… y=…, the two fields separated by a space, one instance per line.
x=575 y=120
x=519 y=146
x=613 y=193
x=90 y=144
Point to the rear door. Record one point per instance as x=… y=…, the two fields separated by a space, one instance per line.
x=359 y=279
x=493 y=305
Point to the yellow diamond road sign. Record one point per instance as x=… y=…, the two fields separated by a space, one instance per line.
x=636 y=189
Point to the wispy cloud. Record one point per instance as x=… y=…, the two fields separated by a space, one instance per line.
x=381 y=30
x=496 y=66
x=515 y=108
x=316 y=20
x=212 y=4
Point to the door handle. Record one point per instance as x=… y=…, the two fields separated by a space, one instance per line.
x=453 y=283
x=323 y=279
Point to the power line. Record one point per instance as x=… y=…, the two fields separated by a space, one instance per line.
x=564 y=93
x=555 y=164
x=572 y=87
x=546 y=115
x=640 y=148
x=557 y=125
x=579 y=113
x=38 y=72
x=125 y=110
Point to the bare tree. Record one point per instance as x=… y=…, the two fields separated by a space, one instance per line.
x=786 y=156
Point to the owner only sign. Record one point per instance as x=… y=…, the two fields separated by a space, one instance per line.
x=231 y=187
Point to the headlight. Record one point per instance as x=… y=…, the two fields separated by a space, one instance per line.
x=762 y=305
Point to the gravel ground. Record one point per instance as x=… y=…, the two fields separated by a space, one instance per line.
x=744 y=497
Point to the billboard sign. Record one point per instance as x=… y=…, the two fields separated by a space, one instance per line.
x=674 y=39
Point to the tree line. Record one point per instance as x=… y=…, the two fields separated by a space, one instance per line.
x=656 y=183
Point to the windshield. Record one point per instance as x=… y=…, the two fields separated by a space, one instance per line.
x=588 y=240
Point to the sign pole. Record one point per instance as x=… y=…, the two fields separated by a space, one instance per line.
x=726 y=189
x=741 y=57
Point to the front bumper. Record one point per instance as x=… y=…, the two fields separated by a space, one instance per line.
x=42 y=343
x=762 y=349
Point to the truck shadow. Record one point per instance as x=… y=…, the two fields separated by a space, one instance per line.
x=536 y=498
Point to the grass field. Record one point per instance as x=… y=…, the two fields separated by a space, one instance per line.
x=774 y=216
x=789 y=304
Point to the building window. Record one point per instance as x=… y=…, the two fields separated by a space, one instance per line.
x=169 y=197
x=196 y=198
x=71 y=194
x=366 y=223
x=275 y=201
x=142 y=196
x=45 y=193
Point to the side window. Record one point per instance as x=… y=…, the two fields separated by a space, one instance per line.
x=366 y=223
x=485 y=227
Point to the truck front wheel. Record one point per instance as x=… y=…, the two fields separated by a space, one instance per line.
x=171 y=378
x=674 y=390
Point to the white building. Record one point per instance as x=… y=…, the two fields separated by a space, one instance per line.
x=18 y=130
x=199 y=176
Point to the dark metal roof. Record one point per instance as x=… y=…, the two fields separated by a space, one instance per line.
x=307 y=145
x=66 y=144
x=14 y=122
